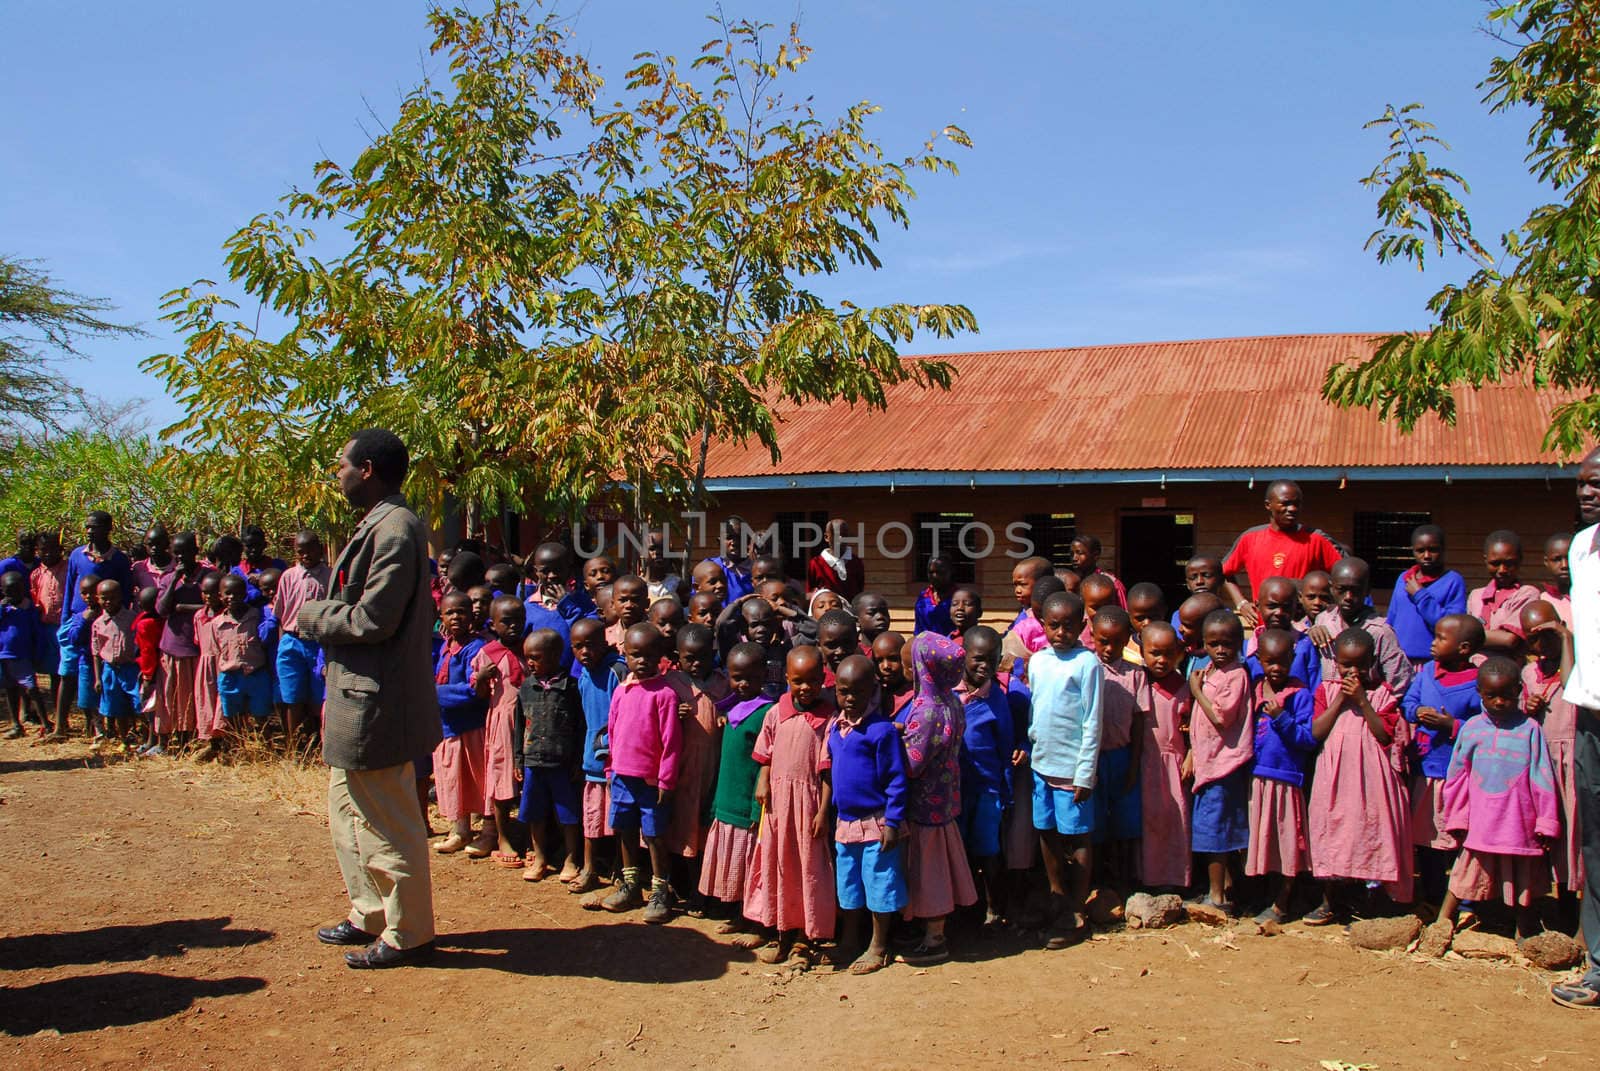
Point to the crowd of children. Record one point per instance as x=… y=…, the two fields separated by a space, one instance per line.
x=792 y=766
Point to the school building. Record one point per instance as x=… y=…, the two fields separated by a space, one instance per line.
x=1161 y=450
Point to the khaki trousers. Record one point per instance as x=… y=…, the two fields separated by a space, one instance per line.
x=382 y=847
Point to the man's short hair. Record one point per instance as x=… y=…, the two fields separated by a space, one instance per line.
x=389 y=457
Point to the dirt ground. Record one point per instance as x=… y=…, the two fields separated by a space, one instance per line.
x=161 y=915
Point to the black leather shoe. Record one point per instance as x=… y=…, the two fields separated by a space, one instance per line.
x=345 y=934
x=381 y=954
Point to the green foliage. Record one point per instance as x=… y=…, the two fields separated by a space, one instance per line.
x=1533 y=313
x=50 y=482
x=550 y=302
x=41 y=325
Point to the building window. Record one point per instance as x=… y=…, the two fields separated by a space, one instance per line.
x=1052 y=535
x=791 y=534
x=1383 y=541
x=944 y=531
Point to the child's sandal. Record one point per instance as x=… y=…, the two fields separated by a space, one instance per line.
x=870 y=962
x=1321 y=915
x=508 y=860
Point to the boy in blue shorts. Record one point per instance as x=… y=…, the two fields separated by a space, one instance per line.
x=993 y=708
x=864 y=760
x=116 y=661
x=244 y=684
x=547 y=741
x=299 y=684
x=1067 y=682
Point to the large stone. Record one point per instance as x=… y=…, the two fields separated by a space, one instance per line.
x=1206 y=914
x=1552 y=951
x=1435 y=940
x=1475 y=944
x=1147 y=912
x=1380 y=935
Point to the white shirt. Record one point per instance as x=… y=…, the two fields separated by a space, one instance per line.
x=1583 y=687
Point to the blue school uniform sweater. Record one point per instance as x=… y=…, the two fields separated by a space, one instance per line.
x=1285 y=745
x=990 y=737
x=1432 y=747
x=461 y=708
x=116 y=566
x=1413 y=617
x=1065 y=734
x=22 y=634
x=932 y=614
x=540 y=616
x=1306 y=667
x=868 y=769
x=594 y=695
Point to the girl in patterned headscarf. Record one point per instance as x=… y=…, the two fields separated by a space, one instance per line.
x=936 y=862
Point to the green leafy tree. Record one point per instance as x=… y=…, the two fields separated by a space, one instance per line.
x=42 y=326
x=1532 y=311
x=449 y=242
x=724 y=200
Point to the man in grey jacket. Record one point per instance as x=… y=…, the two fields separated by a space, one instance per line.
x=382 y=711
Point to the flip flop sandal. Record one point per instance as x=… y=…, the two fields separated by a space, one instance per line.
x=585 y=885
x=478 y=850
x=451 y=844
x=508 y=860
x=870 y=964
x=535 y=872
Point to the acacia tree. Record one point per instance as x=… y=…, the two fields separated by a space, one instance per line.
x=449 y=249
x=553 y=303
x=1532 y=311
x=42 y=325
x=727 y=199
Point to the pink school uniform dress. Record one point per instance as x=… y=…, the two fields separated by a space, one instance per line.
x=458 y=760
x=791 y=883
x=1500 y=606
x=1284 y=748
x=1559 y=723
x=1164 y=853
x=938 y=877
x=207 y=704
x=1360 y=818
x=697 y=764
x=1561 y=600
x=1501 y=793
x=1220 y=819
x=499 y=747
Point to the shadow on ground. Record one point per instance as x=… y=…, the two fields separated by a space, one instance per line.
x=96 y=1001
x=122 y=944
x=629 y=952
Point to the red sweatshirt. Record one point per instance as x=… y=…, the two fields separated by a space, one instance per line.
x=147 y=634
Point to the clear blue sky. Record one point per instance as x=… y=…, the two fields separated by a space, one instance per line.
x=1141 y=171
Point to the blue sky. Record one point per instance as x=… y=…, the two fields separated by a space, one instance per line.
x=1141 y=171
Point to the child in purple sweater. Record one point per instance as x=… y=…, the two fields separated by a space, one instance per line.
x=1501 y=794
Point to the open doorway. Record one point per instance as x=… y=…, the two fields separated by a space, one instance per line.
x=1153 y=545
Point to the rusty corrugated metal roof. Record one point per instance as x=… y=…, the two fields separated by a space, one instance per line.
x=1205 y=404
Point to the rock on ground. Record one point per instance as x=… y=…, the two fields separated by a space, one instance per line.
x=1475 y=944
x=1435 y=940
x=1144 y=911
x=1553 y=951
x=1206 y=915
x=1379 y=935
x=1104 y=910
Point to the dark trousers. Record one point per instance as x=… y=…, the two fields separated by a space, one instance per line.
x=1587 y=762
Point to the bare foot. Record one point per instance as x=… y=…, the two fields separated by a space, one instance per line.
x=535 y=870
x=872 y=960
x=568 y=872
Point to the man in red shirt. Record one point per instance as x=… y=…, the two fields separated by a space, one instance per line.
x=1284 y=547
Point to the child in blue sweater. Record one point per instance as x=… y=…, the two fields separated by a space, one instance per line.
x=1442 y=697
x=864 y=760
x=22 y=648
x=987 y=743
x=1424 y=594
x=1284 y=748
x=459 y=760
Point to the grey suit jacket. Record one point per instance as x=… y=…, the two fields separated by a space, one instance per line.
x=376 y=631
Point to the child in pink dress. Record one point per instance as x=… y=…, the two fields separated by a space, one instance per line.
x=1557 y=590
x=709 y=697
x=1164 y=853
x=458 y=760
x=207 y=704
x=1284 y=748
x=1543 y=698
x=1360 y=820
x=1498 y=604
x=1222 y=738
x=791 y=885
x=1124 y=708
x=938 y=876
x=497 y=673
x=1501 y=794
x=731 y=842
